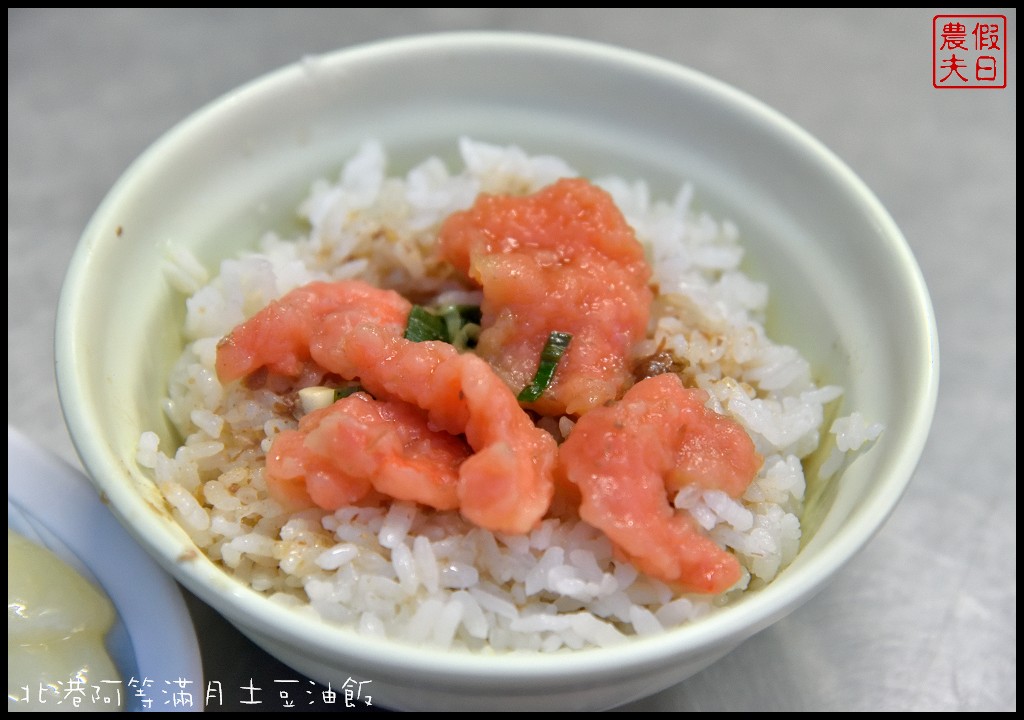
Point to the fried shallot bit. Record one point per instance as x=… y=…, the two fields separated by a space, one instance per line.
x=629 y=457
x=657 y=363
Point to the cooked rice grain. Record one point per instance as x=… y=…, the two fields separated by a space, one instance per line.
x=430 y=577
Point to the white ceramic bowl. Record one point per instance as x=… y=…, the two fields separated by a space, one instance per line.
x=845 y=290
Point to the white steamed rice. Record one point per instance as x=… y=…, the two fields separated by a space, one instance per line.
x=430 y=577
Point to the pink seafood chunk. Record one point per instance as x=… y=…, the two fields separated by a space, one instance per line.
x=629 y=457
x=279 y=336
x=563 y=259
x=341 y=451
x=508 y=483
x=355 y=331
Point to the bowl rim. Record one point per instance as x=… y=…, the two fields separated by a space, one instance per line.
x=730 y=626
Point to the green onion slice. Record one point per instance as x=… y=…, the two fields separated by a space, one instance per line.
x=554 y=348
x=344 y=392
x=457 y=325
x=424 y=325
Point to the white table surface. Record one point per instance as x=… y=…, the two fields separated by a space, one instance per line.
x=925 y=618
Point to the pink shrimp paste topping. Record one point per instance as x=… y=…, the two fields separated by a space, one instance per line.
x=563 y=259
x=630 y=458
x=444 y=428
x=358 y=444
x=425 y=394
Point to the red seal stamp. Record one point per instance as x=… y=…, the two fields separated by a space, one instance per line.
x=969 y=51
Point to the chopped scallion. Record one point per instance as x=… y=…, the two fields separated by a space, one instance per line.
x=318 y=397
x=344 y=392
x=554 y=348
x=457 y=325
x=424 y=325
x=315 y=398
